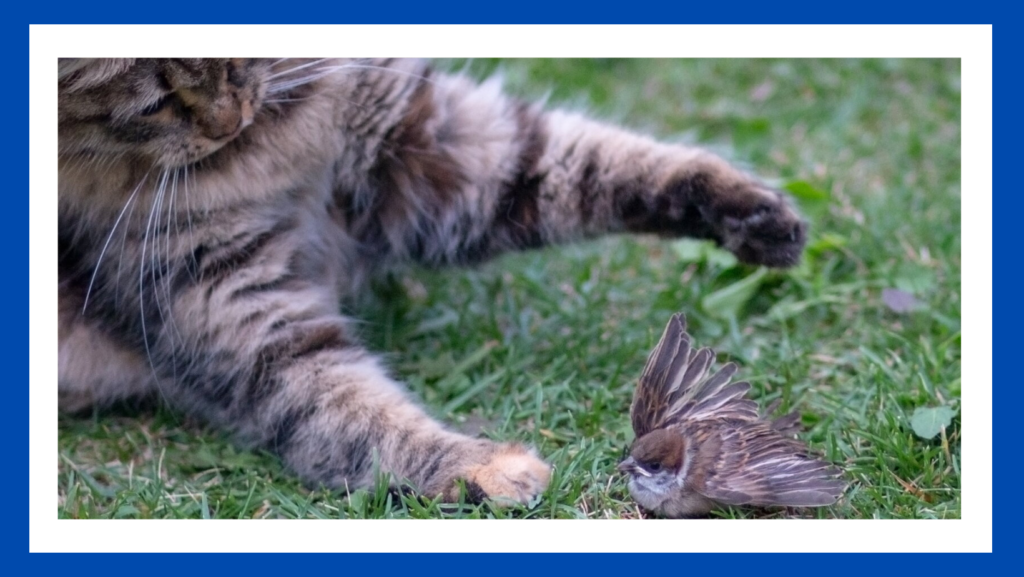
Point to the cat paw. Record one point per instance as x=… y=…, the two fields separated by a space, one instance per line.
x=767 y=232
x=753 y=221
x=756 y=223
x=513 y=474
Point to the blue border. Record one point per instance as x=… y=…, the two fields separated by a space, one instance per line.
x=519 y=12
x=1006 y=136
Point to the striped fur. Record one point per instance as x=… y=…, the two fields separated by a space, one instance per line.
x=212 y=213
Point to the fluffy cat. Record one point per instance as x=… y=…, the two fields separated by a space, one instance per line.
x=213 y=212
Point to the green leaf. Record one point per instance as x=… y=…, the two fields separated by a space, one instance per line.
x=726 y=303
x=929 y=421
x=788 y=308
x=749 y=131
x=802 y=190
x=826 y=242
x=690 y=250
x=719 y=257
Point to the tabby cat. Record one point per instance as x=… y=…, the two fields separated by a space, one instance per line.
x=214 y=212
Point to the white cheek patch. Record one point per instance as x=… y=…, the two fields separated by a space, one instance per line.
x=651 y=491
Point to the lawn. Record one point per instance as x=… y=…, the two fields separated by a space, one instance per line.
x=544 y=347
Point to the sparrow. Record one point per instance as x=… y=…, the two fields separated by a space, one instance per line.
x=701 y=444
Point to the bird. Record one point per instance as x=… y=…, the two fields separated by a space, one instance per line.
x=700 y=444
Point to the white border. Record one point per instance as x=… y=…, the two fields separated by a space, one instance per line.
x=973 y=44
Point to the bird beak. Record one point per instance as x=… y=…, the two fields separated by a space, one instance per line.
x=629 y=466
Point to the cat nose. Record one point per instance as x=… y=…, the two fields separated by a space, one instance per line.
x=222 y=123
x=227 y=116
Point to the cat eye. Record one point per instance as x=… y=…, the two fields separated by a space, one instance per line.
x=157 y=106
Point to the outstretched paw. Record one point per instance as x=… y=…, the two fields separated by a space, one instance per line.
x=762 y=229
x=754 y=222
x=513 y=474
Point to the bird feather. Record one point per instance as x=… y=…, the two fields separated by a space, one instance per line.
x=755 y=465
x=675 y=385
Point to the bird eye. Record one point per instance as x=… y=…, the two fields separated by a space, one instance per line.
x=654 y=467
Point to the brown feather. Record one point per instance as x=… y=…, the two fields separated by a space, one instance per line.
x=675 y=387
x=756 y=465
x=668 y=357
x=705 y=429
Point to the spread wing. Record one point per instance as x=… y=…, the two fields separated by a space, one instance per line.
x=676 y=386
x=787 y=425
x=756 y=464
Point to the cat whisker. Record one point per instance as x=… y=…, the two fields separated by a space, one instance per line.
x=166 y=276
x=188 y=215
x=161 y=185
x=103 y=251
x=317 y=73
x=124 y=239
x=295 y=68
x=154 y=258
x=162 y=181
x=382 y=69
x=286 y=87
x=278 y=88
x=325 y=71
x=172 y=217
x=161 y=272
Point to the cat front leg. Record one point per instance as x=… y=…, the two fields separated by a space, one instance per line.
x=237 y=324
x=339 y=420
x=603 y=179
x=300 y=386
x=254 y=345
x=468 y=173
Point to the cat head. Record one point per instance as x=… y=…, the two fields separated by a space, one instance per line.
x=168 y=112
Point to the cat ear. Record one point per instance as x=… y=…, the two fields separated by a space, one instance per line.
x=82 y=73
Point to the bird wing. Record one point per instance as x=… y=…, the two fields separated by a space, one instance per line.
x=676 y=386
x=755 y=464
x=787 y=425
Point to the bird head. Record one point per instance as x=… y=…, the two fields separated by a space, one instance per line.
x=653 y=466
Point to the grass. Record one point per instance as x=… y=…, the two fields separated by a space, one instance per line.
x=544 y=347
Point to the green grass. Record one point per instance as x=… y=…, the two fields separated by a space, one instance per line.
x=544 y=347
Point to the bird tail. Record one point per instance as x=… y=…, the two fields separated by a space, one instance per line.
x=756 y=465
x=796 y=477
x=807 y=483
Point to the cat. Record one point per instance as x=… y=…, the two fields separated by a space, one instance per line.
x=214 y=212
